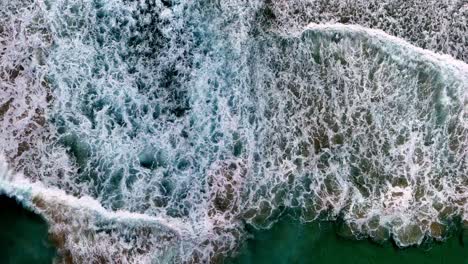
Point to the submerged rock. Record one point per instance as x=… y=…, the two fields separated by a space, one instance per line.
x=408 y=235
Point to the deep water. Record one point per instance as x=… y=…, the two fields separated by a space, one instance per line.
x=290 y=242
x=23 y=235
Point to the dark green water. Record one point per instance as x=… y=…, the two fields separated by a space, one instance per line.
x=23 y=235
x=23 y=240
x=318 y=243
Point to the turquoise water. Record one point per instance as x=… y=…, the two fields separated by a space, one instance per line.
x=318 y=243
x=23 y=236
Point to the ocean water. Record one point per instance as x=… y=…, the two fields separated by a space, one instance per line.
x=169 y=131
x=23 y=236
x=320 y=242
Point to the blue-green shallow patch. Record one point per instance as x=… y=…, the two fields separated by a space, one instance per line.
x=23 y=235
x=318 y=243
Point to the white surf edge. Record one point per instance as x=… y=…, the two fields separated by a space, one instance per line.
x=380 y=35
x=24 y=191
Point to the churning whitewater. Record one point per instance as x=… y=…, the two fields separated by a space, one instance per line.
x=154 y=131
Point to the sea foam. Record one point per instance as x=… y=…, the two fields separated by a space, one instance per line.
x=136 y=122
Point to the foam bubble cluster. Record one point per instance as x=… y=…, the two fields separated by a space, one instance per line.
x=178 y=123
x=372 y=130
